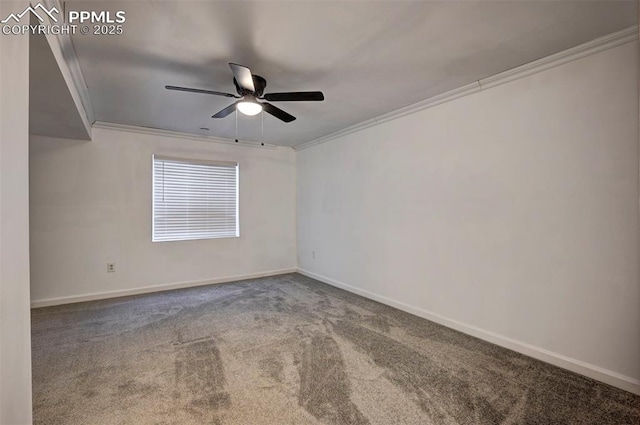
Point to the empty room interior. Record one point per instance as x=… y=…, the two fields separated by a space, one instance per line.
x=319 y=212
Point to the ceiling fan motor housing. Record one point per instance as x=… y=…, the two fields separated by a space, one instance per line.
x=250 y=88
x=258 y=82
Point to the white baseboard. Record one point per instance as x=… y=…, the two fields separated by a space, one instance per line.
x=600 y=374
x=148 y=289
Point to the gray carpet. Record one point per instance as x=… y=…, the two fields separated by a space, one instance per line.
x=290 y=350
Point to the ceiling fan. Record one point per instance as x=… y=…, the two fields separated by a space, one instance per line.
x=250 y=88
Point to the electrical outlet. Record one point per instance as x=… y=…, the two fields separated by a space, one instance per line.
x=313 y=255
x=111 y=267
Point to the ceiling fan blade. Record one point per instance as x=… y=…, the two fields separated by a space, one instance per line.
x=243 y=76
x=277 y=112
x=295 y=96
x=226 y=111
x=187 y=89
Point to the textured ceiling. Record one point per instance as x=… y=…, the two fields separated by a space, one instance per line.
x=368 y=58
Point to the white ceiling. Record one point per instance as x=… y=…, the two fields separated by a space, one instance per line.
x=368 y=58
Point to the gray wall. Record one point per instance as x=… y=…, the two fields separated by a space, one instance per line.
x=15 y=324
x=91 y=204
x=510 y=214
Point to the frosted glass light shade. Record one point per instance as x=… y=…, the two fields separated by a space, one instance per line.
x=249 y=108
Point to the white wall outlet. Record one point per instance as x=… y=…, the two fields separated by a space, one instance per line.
x=111 y=267
x=313 y=255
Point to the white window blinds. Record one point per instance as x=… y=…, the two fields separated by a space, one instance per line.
x=194 y=199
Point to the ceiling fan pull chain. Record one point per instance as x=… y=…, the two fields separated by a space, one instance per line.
x=236 y=128
x=262 y=137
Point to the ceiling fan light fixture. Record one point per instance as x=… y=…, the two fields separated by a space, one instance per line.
x=250 y=88
x=249 y=107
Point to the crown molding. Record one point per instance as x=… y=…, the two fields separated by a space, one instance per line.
x=407 y=110
x=578 y=52
x=610 y=41
x=70 y=57
x=180 y=135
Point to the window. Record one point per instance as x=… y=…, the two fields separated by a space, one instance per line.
x=194 y=199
